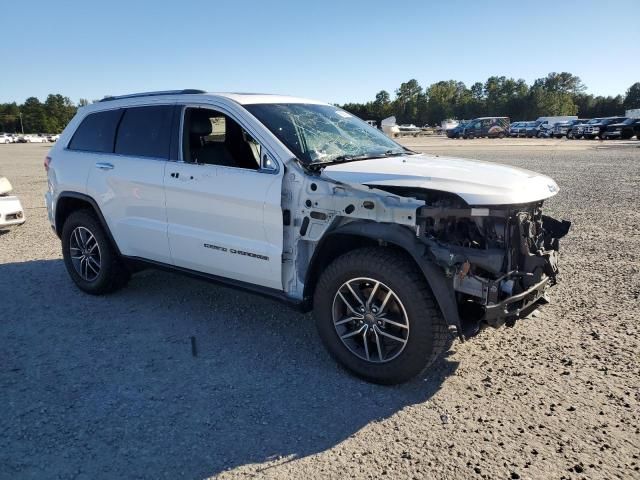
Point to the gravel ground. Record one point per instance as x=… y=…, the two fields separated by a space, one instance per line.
x=108 y=387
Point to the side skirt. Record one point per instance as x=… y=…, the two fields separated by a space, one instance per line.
x=140 y=264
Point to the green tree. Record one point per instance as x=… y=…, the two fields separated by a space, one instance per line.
x=59 y=111
x=632 y=97
x=9 y=118
x=34 y=116
x=554 y=95
x=382 y=107
x=442 y=98
x=407 y=97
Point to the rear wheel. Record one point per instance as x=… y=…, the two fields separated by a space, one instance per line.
x=377 y=317
x=89 y=256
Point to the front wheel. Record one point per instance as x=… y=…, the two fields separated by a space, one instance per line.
x=91 y=260
x=377 y=317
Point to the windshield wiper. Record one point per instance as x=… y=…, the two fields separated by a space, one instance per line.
x=391 y=153
x=341 y=159
x=352 y=158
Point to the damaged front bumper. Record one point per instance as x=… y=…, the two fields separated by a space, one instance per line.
x=497 y=285
x=498 y=310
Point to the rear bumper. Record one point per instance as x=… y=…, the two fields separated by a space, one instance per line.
x=11 y=212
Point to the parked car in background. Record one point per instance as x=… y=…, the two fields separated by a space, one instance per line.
x=11 y=211
x=530 y=129
x=597 y=129
x=514 y=128
x=577 y=131
x=545 y=130
x=409 y=129
x=456 y=132
x=31 y=138
x=490 y=127
x=622 y=130
x=54 y=137
x=545 y=124
x=562 y=129
x=5 y=138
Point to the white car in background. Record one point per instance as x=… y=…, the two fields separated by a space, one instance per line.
x=31 y=138
x=53 y=137
x=6 y=138
x=11 y=211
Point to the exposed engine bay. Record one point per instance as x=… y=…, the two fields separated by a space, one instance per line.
x=500 y=257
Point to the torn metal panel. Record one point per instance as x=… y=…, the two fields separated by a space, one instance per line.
x=314 y=205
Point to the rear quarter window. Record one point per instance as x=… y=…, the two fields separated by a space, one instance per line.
x=97 y=132
x=145 y=132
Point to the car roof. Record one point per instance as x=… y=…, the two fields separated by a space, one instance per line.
x=199 y=95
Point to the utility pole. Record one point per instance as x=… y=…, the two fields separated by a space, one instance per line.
x=21 y=126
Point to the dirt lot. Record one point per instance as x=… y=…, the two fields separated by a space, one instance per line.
x=108 y=387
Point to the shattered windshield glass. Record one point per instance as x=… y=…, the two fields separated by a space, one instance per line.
x=319 y=134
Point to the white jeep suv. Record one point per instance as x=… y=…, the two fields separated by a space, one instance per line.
x=302 y=201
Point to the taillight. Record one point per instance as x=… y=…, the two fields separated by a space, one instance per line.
x=47 y=162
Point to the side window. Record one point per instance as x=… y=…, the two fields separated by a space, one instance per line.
x=214 y=138
x=97 y=132
x=145 y=132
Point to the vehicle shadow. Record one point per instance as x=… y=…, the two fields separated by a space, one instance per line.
x=109 y=386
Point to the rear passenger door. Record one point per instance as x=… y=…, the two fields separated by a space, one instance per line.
x=127 y=182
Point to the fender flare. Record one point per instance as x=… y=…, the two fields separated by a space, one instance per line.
x=441 y=286
x=96 y=209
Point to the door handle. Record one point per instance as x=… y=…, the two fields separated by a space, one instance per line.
x=104 y=166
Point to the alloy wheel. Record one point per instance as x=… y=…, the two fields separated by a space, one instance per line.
x=85 y=253
x=370 y=320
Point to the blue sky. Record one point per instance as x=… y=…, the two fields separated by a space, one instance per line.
x=335 y=51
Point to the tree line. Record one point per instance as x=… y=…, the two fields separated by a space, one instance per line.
x=555 y=94
x=34 y=116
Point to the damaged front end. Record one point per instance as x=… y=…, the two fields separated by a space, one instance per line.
x=501 y=259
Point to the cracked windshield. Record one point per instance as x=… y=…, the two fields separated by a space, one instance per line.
x=319 y=134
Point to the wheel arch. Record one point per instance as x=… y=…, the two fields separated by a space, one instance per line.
x=365 y=233
x=69 y=202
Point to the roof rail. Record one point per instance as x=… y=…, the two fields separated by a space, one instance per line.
x=186 y=91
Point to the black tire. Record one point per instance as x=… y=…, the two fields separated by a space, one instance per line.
x=112 y=274
x=427 y=335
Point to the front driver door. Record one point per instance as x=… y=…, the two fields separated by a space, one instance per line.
x=224 y=219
